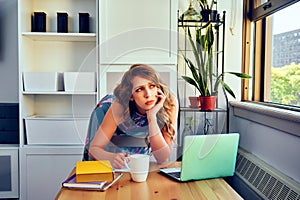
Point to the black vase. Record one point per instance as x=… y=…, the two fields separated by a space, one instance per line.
x=62 y=22
x=84 y=22
x=39 y=22
x=205 y=15
x=214 y=15
x=209 y=15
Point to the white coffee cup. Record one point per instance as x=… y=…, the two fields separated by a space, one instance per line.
x=138 y=166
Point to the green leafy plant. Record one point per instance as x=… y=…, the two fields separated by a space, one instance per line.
x=205 y=5
x=203 y=78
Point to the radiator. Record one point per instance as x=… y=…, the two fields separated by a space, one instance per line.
x=266 y=181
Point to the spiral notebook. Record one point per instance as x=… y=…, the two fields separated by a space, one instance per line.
x=206 y=156
x=71 y=183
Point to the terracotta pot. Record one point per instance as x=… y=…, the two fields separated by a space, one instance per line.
x=208 y=102
x=194 y=101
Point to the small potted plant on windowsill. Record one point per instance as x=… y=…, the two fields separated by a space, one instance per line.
x=203 y=78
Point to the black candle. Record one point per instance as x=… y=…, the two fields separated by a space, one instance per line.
x=39 y=22
x=62 y=22
x=84 y=22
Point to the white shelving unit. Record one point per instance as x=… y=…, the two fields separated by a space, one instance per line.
x=124 y=33
x=53 y=52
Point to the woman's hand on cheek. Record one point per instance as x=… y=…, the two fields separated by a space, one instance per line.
x=160 y=102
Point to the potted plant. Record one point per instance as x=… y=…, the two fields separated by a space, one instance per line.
x=203 y=77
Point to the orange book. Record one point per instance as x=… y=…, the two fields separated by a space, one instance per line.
x=94 y=171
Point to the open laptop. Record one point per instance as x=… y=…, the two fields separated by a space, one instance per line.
x=206 y=156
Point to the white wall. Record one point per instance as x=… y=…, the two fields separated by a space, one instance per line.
x=277 y=148
x=233 y=42
x=8 y=51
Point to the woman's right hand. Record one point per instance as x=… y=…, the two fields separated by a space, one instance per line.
x=118 y=160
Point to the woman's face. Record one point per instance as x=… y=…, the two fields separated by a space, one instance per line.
x=144 y=93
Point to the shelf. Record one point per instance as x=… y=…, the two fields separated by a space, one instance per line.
x=56 y=117
x=59 y=93
x=65 y=37
x=45 y=147
x=191 y=51
x=9 y=146
x=188 y=109
x=199 y=24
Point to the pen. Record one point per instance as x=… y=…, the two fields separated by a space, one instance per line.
x=111 y=183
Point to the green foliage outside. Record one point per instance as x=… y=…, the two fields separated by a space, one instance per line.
x=285 y=85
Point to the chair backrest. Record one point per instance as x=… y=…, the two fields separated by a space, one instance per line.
x=121 y=140
x=128 y=141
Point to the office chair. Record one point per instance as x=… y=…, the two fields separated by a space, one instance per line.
x=118 y=140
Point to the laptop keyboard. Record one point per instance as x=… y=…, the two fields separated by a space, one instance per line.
x=175 y=174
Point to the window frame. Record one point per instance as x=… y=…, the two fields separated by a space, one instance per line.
x=268 y=8
x=256 y=12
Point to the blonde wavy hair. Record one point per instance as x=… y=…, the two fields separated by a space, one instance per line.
x=123 y=92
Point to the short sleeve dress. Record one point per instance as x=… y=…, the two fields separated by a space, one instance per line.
x=135 y=126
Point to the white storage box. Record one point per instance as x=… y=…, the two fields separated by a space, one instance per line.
x=80 y=81
x=42 y=81
x=56 y=130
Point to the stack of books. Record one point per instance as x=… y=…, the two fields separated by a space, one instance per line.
x=90 y=175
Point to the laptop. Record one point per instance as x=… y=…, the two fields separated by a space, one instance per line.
x=205 y=157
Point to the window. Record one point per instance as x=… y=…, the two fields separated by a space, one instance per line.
x=274 y=51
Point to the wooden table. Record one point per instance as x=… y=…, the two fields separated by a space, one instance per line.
x=156 y=187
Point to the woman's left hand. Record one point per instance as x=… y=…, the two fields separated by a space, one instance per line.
x=161 y=97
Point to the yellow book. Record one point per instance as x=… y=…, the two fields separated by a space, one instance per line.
x=94 y=171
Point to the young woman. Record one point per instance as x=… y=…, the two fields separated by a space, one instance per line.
x=141 y=107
